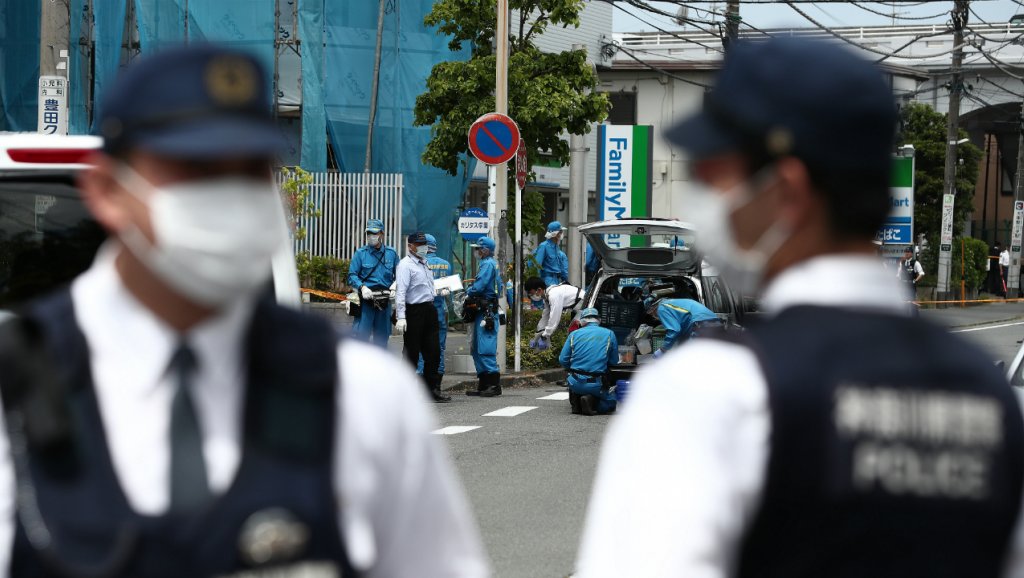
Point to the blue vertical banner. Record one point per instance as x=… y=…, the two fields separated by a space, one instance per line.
x=314 y=117
x=108 y=32
x=409 y=52
x=19 y=64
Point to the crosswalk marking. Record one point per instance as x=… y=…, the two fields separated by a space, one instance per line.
x=455 y=429
x=560 y=396
x=510 y=411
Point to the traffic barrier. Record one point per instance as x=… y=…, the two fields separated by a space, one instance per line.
x=325 y=294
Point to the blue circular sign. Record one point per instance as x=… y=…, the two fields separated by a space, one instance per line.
x=473 y=224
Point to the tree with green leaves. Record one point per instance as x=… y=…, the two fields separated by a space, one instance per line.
x=549 y=94
x=925 y=128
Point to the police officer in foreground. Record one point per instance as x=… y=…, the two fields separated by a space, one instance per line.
x=482 y=295
x=372 y=272
x=439 y=268
x=164 y=418
x=586 y=355
x=840 y=437
x=416 y=316
x=549 y=257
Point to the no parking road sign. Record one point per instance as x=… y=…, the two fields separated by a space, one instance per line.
x=494 y=138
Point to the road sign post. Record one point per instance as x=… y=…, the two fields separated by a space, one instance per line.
x=945 y=246
x=521 y=167
x=1013 y=274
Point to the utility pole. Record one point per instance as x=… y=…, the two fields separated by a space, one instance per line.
x=52 y=84
x=376 y=89
x=499 y=213
x=1013 y=272
x=732 y=22
x=577 y=199
x=959 y=18
x=54 y=28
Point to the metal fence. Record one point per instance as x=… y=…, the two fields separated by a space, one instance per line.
x=345 y=202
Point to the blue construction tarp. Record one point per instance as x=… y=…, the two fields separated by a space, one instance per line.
x=19 y=63
x=409 y=52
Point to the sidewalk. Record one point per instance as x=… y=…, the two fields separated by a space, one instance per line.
x=955 y=316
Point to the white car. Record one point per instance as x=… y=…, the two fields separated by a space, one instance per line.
x=47 y=237
x=635 y=253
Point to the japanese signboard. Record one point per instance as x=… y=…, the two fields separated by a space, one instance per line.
x=898 y=228
x=1013 y=275
x=53 y=105
x=624 y=159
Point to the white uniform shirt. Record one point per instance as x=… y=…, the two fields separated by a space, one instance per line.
x=403 y=510
x=414 y=283
x=1004 y=258
x=557 y=299
x=683 y=465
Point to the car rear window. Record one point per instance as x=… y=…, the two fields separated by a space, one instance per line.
x=46 y=237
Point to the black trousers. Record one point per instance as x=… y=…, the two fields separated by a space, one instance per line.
x=422 y=337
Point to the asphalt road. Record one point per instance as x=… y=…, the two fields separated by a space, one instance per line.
x=529 y=475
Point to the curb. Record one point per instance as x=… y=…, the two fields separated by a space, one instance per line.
x=520 y=380
x=987 y=322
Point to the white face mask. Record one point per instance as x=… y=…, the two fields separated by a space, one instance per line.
x=214 y=238
x=419 y=250
x=711 y=211
x=373 y=240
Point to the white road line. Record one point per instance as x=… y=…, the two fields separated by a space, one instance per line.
x=455 y=429
x=987 y=327
x=560 y=396
x=510 y=411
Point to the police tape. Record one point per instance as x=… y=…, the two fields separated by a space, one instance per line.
x=966 y=301
x=325 y=294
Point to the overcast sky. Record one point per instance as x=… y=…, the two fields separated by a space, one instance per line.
x=831 y=14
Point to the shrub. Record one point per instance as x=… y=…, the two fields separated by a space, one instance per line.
x=975 y=254
x=323 y=273
x=532 y=359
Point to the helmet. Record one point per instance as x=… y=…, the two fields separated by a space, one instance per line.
x=374 y=226
x=484 y=243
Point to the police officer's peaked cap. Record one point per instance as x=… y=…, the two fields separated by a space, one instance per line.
x=417 y=238
x=813 y=99
x=199 y=101
x=485 y=243
x=589 y=313
x=374 y=225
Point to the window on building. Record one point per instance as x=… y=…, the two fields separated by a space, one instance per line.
x=623 y=108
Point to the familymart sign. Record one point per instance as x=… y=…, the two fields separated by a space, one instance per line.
x=624 y=171
x=898 y=228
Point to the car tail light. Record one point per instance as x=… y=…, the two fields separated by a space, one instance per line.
x=574 y=325
x=49 y=156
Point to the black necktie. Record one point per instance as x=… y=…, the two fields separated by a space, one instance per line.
x=189 y=486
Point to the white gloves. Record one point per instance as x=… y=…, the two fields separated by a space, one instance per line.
x=401 y=326
x=443 y=292
x=365 y=292
x=545 y=334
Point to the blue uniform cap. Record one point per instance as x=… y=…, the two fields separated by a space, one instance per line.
x=589 y=314
x=202 y=101
x=431 y=241
x=374 y=226
x=417 y=238
x=485 y=243
x=554 y=226
x=807 y=98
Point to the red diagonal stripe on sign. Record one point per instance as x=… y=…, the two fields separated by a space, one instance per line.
x=483 y=127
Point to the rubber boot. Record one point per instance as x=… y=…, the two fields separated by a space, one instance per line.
x=574 y=403
x=588 y=403
x=493 y=385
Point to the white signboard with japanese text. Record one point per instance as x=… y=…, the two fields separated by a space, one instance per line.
x=1013 y=275
x=53 y=105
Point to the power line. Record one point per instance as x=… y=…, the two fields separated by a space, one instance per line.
x=630 y=54
x=873 y=11
x=658 y=28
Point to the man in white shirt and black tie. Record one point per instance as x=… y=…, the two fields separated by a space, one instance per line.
x=417 y=318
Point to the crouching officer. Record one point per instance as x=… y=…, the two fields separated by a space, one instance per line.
x=682 y=319
x=163 y=417
x=587 y=353
x=482 y=296
x=805 y=447
x=372 y=271
x=440 y=268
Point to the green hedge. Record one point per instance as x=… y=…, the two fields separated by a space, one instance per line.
x=532 y=359
x=323 y=273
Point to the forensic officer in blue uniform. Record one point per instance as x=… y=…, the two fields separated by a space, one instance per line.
x=372 y=272
x=586 y=355
x=163 y=417
x=484 y=328
x=591 y=265
x=839 y=436
x=681 y=318
x=440 y=268
x=553 y=264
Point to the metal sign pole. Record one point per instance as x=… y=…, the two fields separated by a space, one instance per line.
x=1013 y=273
x=518 y=281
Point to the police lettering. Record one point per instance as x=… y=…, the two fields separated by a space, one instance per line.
x=902 y=469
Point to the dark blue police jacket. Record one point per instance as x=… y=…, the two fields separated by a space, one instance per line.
x=895 y=451
x=79 y=522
